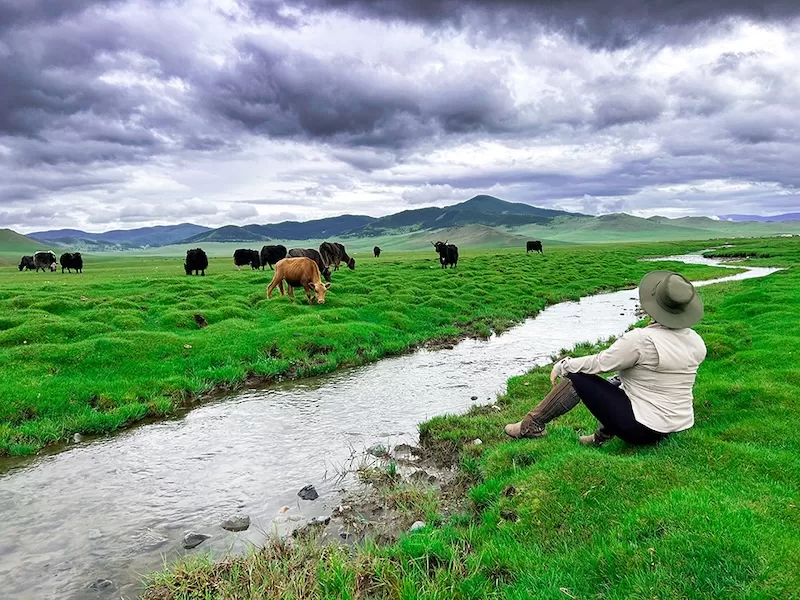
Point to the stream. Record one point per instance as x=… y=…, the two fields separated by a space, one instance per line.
x=115 y=508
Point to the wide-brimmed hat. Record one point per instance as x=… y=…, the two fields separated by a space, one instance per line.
x=670 y=299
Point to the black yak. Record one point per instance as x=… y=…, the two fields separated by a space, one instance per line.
x=272 y=254
x=243 y=256
x=448 y=254
x=71 y=260
x=196 y=260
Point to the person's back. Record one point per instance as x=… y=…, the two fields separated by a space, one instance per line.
x=660 y=384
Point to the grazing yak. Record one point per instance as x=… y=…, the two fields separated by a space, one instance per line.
x=334 y=253
x=315 y=256
x=448 y=254
x=534 y=246
x=45 y=260
x=272 y=254
x=71 y=260
x=27 y=263
x=246 y=257
x=299 y=272
x=196 y=260
x=343 y=257
x=376 y=251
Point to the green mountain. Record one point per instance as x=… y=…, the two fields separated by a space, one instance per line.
x=480 y=210
x=118 y=239
x=228 y=233
x=492 y=205
x=11 y=241
x=306 y=230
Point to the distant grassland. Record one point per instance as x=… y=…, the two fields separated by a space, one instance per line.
x=711 y=513
x=93 y=352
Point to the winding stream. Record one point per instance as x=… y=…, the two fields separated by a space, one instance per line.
x=115 y=507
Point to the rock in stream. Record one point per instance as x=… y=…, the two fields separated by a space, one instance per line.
x=193 y=540
x=308 y=493
x=236 y=523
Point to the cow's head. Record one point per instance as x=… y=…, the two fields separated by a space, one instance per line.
x=326 y=273
x=53 y=266
x=320 y=289
x=352 y=263
x=187 y=269
x=440 y=246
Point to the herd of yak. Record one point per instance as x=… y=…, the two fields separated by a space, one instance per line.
x=46 y=261
x=298 y=267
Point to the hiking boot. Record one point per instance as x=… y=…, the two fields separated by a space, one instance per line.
x=560 y=400
x=514 y=430
x=597 y=439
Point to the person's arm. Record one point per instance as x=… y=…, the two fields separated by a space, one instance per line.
x=622 y=354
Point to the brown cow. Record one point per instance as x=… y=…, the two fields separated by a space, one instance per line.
x=298 y=272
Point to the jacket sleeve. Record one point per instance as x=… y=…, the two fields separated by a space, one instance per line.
x=622 y=354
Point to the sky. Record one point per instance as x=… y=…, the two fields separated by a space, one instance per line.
x=129 y=113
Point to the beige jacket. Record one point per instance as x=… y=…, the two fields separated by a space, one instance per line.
x=657 y=367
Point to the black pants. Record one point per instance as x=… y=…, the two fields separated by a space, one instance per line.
x=612 y=407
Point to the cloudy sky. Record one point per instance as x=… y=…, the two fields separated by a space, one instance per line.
x=124 y=113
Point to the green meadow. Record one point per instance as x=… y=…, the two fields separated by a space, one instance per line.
x=712 y=512
x=90 y=353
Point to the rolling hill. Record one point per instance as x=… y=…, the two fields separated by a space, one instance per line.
x=119 y=239
x=481 y=221
x=11 y=241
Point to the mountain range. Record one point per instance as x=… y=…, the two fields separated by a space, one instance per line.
x=486 y=217
x=761 y=219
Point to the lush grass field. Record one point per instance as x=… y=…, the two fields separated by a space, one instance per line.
x=710 y=513
x=93 y=352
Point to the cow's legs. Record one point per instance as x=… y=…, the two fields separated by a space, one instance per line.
x=309 y=295
x=271 y=287
x=290 y=291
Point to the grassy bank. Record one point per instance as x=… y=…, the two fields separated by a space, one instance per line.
x=710 y=513
x=94 y=352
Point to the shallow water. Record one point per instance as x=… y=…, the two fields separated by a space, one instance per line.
x=115 y=507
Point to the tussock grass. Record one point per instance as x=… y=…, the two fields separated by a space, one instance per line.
x=94 y=352
x=712 y=512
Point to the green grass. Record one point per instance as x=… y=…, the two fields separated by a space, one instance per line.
x=94 y=352
x=712 y=512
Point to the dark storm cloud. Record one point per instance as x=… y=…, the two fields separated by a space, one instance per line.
x=20 y=13
x=597 y=23
x=283 y=92
x=57 y=105
x=620 y=108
